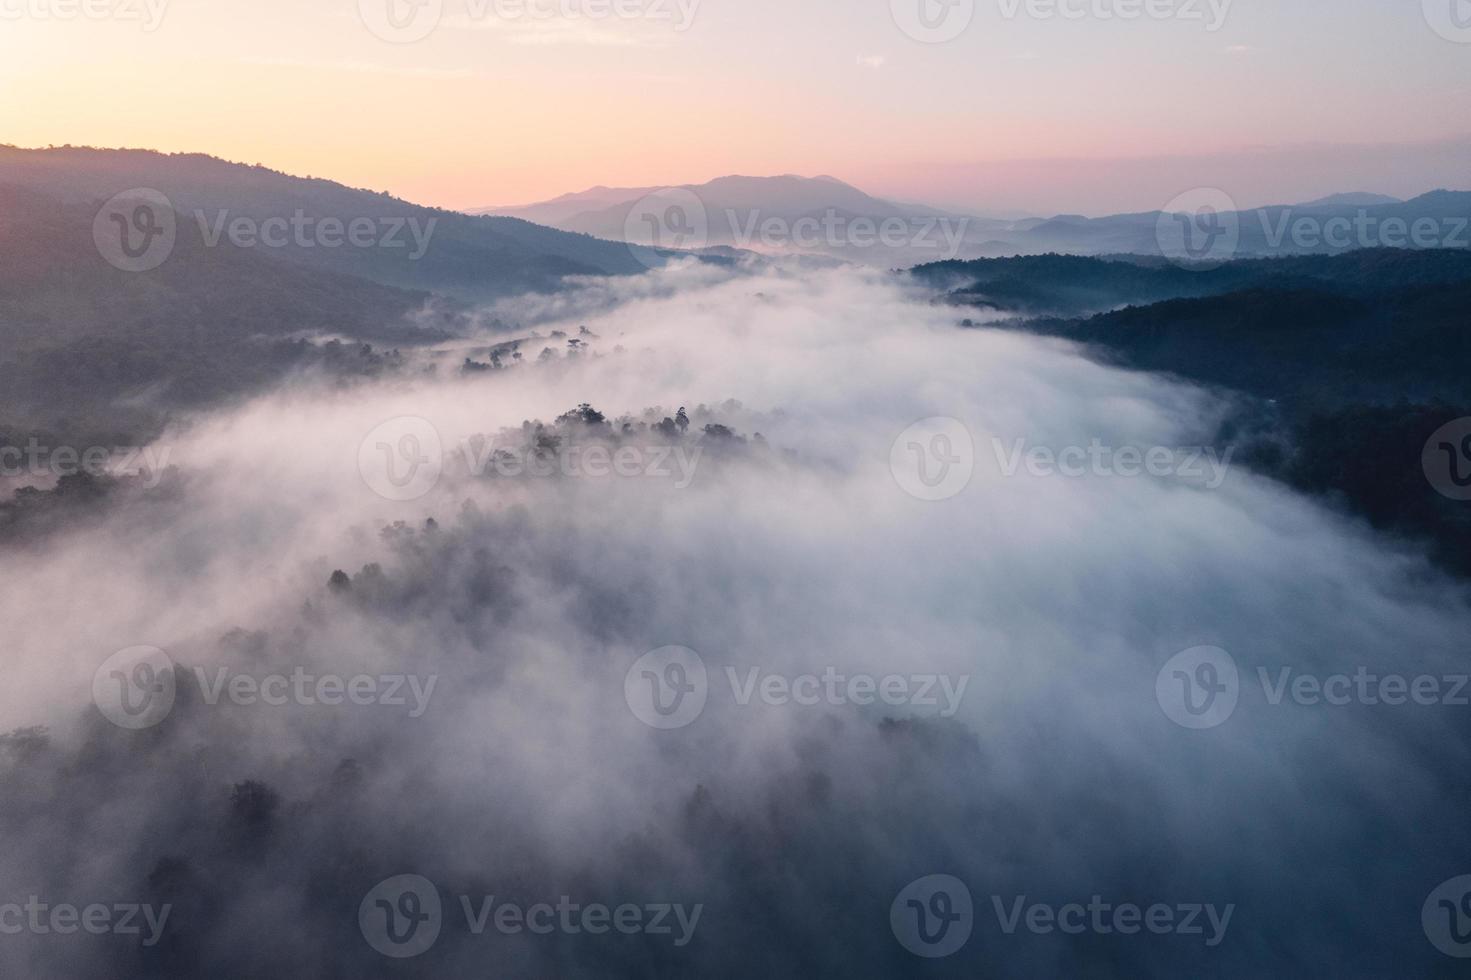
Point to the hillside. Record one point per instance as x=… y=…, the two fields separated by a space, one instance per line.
x=86 y=347
x=467 y=256
x=1346 y=364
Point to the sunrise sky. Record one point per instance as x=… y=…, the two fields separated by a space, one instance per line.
x=1028 y=112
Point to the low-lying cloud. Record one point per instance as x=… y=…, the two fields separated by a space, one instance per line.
x=791 y=823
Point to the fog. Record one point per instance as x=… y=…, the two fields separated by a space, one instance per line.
x=528 y=775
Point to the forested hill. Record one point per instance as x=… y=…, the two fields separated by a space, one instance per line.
x=1347 y=364
x=469 y=257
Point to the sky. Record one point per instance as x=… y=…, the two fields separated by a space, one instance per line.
x=1034 y=106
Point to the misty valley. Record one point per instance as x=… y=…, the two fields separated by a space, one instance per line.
x=1041 y=550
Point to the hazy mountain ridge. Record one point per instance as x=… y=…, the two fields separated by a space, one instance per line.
x=1348 y=363
x=735 y=206
x=471 y=257
x=210 y=323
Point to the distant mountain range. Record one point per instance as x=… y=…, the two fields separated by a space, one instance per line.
x=766 y=214
x=782 y=215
